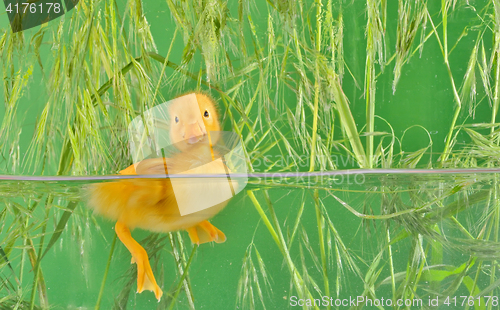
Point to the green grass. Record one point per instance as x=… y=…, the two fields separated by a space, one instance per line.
x=287 y=84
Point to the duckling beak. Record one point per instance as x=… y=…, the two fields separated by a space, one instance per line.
x=194 y=139
x=194 y=133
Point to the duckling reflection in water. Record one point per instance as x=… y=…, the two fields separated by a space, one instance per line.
x=151 y=204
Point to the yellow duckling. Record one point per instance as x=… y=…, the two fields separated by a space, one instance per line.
x=152 y=204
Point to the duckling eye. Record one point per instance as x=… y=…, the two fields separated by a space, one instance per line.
x=206 y=114
x=176 y=119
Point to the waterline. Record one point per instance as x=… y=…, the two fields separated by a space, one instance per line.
x=254 y=175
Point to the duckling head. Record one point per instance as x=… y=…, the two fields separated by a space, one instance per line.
x=192 y=120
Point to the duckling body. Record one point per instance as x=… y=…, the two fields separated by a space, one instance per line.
x=152 y=204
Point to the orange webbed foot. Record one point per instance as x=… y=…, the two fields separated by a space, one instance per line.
x=205 y=232
x=145 y=277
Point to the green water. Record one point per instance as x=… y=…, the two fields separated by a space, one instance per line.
x=73 y=269
x=414 y=235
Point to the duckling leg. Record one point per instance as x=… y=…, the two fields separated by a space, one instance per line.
x=145 y=277
x=193 y=235
x=205 y=232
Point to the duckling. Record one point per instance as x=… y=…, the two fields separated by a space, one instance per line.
x=152 y=204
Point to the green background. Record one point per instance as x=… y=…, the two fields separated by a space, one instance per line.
x=73 y=268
